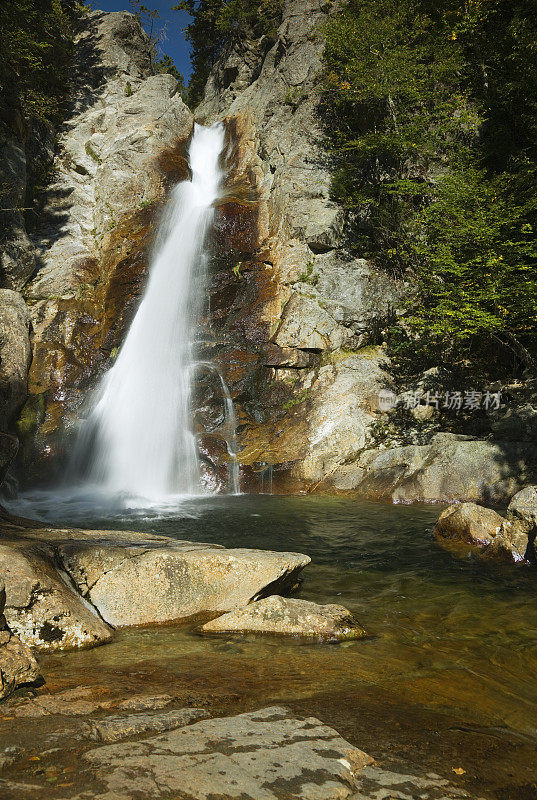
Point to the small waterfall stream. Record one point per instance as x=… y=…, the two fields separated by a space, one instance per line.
x=139 y=429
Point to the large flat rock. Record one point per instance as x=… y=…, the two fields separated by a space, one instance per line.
x=264 y=755
x=133 y=585
x=66 y=587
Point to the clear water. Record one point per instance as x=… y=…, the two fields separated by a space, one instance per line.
x=446 y=631
x=446 y=679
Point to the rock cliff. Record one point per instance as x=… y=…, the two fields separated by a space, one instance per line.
x=292 y=312
x=117 y=153
x=294 y=321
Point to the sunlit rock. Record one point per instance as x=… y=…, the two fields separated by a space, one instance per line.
x=18 y=665
x=289 y=617
x=266 y=754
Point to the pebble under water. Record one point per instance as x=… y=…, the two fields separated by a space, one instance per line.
x=445 y=682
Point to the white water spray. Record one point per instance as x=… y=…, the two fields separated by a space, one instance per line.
x=139 y=429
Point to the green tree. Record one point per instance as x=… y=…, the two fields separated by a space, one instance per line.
x=36 y=48
x=216 y=22
x=431 y=119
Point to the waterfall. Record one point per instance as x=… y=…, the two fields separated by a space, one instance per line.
x=139 y=432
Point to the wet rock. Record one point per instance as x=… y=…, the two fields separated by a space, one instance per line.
x=289 y=616
x=42 y=606
x=95 y=232
x=266 y=754
x=520 y=525
x=469 y=523
x=18 y=665
x=317 y=299
x=15 y=354
x=376 y=782
x=451 y=468
x=136 y=585
x=9 y=446
x=144 y=702
x=111 y=729
x=77 y=702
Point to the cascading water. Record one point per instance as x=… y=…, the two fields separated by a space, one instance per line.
x=138 y=431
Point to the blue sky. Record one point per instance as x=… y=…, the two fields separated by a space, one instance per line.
x=174 y=43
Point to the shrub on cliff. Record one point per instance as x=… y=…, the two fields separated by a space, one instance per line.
x=35 y=55
x=216 y=22
x=432 y=121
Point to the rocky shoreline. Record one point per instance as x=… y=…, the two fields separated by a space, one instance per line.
x=483 y=530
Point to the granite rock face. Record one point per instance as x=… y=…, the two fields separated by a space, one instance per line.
x=263 y=755
x=289 y=617
x=450 y=468
x=120 y=149
x=281 y=278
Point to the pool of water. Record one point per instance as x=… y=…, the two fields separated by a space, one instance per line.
x=447 y=676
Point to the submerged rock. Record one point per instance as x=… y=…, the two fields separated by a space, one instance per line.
x=290 y=616
x=263 y=755
x=111 y=729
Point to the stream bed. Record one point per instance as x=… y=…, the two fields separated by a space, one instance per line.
x=446 y=681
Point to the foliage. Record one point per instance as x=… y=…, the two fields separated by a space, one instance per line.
x=216 y=22
x=432 y=121
x=36 y=48
x=163 y=63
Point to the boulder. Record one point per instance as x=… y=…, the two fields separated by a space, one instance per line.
x=475 y=526
x=42 y=605
x=15 y=354
x=18 y=665
x=262 y=755
x=171 y=580
x=520 y=525
x=289 y=616
x=469 y=523
x=65 y=585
